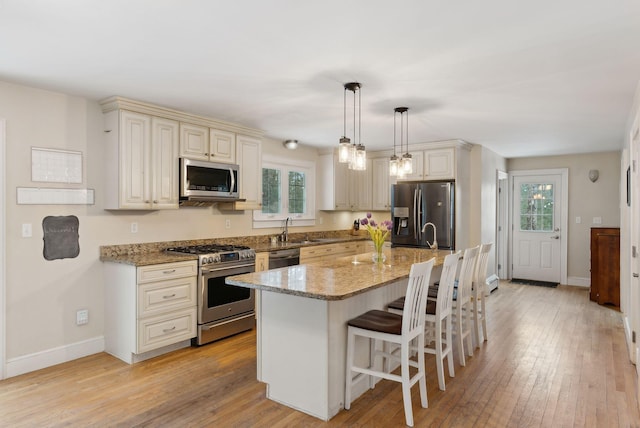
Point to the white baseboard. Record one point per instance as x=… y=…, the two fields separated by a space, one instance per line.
x=578 y=281
x=51 y=357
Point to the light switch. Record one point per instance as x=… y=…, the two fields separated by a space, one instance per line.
x=578 y=220
x=26 y=230
x=597 y=220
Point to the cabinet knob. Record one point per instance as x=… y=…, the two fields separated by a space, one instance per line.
x=155 y=202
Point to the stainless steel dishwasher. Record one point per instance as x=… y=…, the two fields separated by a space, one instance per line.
x=282 y=258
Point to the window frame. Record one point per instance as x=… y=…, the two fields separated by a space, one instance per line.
x=285 y=165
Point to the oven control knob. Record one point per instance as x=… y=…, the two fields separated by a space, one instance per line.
x=215 y=258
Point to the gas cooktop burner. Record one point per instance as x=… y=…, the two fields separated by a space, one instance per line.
x=217 y=254
x=207 y=249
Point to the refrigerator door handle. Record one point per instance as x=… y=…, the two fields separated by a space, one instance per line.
x=420 y=215
x=415 y=214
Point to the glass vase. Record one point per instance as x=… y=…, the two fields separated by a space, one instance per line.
x=378 y=256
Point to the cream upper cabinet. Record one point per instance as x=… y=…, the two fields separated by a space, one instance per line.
x=381 y=185
x=208 y=144
x=142 y=152
x=360 y=188
x=342 y=188
x=194 y=141
x=249 y=156
x=437 y=164
x=222 y=146
x=334 y=186
x=164 y=160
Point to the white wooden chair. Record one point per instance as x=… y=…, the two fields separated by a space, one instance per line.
x=393 y=329
x=479 y=289
x=463 y=303
x=439 y=312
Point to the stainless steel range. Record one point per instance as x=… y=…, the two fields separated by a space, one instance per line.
x=223 y=310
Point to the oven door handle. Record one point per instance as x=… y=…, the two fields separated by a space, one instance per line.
x=223 y=268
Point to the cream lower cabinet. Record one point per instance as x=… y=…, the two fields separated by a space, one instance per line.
x=141 y=161
x=262 y=261
x=149 y=310
x=322 y=253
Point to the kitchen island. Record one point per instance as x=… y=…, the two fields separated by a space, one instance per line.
x=301 y=322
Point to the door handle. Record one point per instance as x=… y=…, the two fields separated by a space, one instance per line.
x=635 y=275
x=555 y=237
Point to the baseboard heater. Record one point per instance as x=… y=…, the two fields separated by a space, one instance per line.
x=492 y=283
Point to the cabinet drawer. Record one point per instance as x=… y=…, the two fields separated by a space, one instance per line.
x=316 y=251
x=348 y=248
x=163 y=296
x=164 y=271
x=163 y=330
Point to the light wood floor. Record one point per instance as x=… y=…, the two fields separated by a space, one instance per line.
x=553 y=359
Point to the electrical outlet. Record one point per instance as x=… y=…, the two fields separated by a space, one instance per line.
x=26 y=230
x=134 y=227
x=578 y=220
x=597 y=220
x=227 y=224
x=82 y=317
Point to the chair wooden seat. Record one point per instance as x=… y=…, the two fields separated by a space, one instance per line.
x=377 y=320
x=398 y=305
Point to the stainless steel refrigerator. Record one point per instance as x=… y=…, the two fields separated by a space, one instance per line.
x=415 y=204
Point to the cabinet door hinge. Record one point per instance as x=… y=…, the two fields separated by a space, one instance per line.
x=633 y=337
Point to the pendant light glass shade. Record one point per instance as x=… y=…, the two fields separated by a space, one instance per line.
x=393 y=165
x=348 y=151
x=403 y=165
x=407 y=163
x=344 y=150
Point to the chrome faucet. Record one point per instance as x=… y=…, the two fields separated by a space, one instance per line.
x=433 y=246
x=285 y=230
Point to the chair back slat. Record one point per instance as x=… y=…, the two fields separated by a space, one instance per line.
x=467 y=271
x=447 y=282
x=481 y=266
x=415 y=303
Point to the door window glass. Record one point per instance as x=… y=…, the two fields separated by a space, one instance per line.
x=536 y=207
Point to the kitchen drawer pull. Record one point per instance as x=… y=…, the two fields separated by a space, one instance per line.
x=168 y=330
x=169 y=296
x=168 y=271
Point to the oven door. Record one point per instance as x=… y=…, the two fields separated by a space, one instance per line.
x=217 y=300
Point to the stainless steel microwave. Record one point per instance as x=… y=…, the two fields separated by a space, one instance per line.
x=208 y=181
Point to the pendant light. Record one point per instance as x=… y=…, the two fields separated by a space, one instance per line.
x=350 y=152
x=406 y=163
x=394 y=162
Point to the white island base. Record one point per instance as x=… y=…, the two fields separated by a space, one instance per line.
x=302 y=346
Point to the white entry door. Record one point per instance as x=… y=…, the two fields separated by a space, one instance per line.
x=539 y=227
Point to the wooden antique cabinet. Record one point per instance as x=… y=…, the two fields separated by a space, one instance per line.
x=605 y=266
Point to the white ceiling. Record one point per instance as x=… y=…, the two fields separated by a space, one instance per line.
x=521 y=78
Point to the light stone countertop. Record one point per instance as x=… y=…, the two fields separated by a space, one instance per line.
x=341 y=278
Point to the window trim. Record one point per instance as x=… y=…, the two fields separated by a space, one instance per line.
x=285 y=165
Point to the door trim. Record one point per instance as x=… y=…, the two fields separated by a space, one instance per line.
x=3 y=264
x=564 y=215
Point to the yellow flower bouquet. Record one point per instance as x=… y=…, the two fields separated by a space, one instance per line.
x=378 y=233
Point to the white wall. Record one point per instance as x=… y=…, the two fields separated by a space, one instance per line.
x=484 y=167
x=42 y=296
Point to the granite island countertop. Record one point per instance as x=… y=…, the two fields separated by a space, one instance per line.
x=340 y=278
